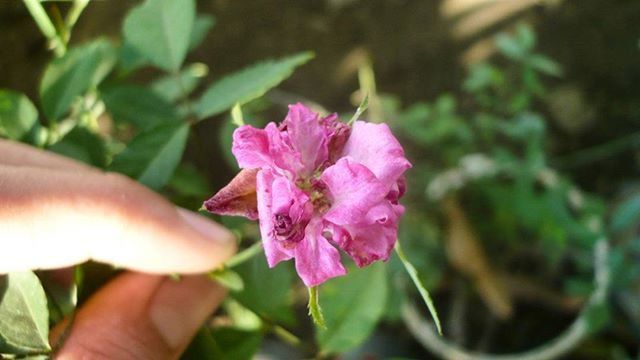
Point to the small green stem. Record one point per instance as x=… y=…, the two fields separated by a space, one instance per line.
x=244 y=255
x=46 y=26
x=314 y=308
x=285 y=335
x=74 y=13
x=361 y=109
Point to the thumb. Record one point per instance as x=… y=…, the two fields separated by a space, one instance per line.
x=140 y=316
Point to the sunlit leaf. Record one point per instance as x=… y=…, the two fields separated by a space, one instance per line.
x=24 y=317
x=70 y=76
x=352 y=306
x=153 y=155
x=247 y=84
x=17 y=114
x=160 y=31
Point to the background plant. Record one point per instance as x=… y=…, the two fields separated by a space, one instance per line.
x=486 y=157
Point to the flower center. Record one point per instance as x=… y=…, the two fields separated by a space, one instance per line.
x=286 y=232
x=282 y=225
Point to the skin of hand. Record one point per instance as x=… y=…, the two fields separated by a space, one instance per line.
x=55 y=212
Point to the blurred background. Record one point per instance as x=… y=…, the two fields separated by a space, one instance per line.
x=522 y=120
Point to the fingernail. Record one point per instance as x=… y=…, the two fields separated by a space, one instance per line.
x=208 y=228
x=179 y=308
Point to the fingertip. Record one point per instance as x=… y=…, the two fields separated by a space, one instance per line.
x=221 y=240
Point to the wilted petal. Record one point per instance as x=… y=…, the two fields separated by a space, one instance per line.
x=374 y=146
x=238 y=198
x=352 y=190
x=307 y=137
x=316 y=259
x=274 y=252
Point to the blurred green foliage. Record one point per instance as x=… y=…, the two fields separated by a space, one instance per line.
x=485 y=147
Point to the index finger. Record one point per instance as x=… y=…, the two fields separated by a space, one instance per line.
x=52 y=218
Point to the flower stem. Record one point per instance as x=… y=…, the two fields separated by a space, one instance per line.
x=74 y=13
x=314 y=308
x=244 y=255
x=43 y=21
x=413 y=274
x=361 y=109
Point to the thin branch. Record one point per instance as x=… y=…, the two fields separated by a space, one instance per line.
x=561 y=345
x=46 y=26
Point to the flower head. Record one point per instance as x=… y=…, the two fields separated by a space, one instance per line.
x=316 y=184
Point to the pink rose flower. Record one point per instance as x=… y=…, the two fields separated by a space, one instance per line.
x=315 y=184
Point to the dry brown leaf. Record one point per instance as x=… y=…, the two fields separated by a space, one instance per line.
x=466 y=254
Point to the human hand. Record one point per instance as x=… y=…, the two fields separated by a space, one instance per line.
x=55 y=212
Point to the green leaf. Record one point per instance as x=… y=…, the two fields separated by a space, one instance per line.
x=203 y=346
x=24 y=317
x=139 y=106
x=260 y=280
x=17 y=114
x=418 y=284
x=70 y=76
x=510 y=47
x=82 y=145
x=160 y=31
x=175 y=87
x=247 y=84
x=545 y=65
x=352 y=306
x=236 y=344
x=153 y=155
x=189 y=181
x=626 y=214
x=129 y=58
x=228 y=278
x=201 y=27
x=525 y=37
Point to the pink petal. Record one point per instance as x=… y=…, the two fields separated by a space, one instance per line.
x=237 y=198
x=274 y=252
x=307 y=137
x=371 y=243
x=374 y=238
x=251 y=147
x=374 y=146
x=288 y=198
x=316 y=259
x=284 y=158
x=352 y=189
